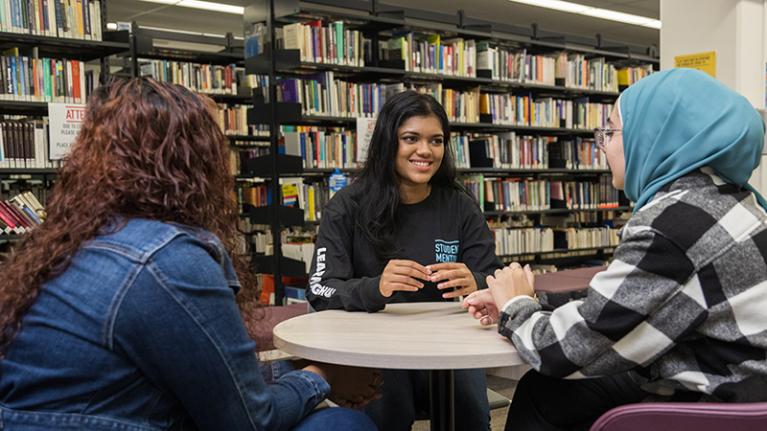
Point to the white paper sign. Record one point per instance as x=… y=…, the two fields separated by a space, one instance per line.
x=65 y=120
x=365 y=128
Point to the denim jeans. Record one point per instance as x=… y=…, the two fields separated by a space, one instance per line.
x=336 y=419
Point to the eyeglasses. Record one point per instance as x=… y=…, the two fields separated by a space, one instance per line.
x=601 y=135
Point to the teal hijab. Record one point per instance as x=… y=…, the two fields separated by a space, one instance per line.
x=680 y=120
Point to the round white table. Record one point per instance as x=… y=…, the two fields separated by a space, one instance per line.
x=436 y=336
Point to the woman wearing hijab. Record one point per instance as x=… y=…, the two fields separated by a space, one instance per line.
x=679 y=313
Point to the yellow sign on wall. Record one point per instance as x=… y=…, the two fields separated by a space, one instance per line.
x=703 y=61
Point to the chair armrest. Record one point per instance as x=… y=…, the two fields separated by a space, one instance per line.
x=684 y=416
x=261 y=322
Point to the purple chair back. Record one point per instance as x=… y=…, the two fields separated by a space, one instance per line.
x=684 y=416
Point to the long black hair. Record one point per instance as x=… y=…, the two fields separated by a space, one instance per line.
x=378 y=180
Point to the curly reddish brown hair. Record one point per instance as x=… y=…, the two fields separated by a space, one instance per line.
x=146 y=149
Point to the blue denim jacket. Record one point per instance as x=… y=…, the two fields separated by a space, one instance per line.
x=142 y=332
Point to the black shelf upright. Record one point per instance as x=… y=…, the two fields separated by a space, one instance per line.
x=267 y=109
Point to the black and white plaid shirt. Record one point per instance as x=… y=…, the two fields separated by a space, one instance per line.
x=683 y=304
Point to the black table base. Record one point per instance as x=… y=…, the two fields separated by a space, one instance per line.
x=442 y=400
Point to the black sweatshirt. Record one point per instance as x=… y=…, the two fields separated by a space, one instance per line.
x=445 y=227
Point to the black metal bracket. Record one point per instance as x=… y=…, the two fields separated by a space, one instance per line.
x=463 y=23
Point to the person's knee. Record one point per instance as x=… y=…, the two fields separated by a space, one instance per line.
x=470 y=382
x=537 y=392
x=353 y=420
x=337 y=418
x=395 y=410
x=531 y=384
x=471 y=396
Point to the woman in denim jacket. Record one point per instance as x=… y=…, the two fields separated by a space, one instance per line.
x=119 y=312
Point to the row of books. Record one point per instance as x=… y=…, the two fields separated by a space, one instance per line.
x=591 y=237
x=323 y=94
x=29 y=78
x=77 y=19
x=255 y=83
x=585 y=194
x=429 y=53
x=309 y=196
x=322 y=147
x=20 y=214
x=24 y=144
x=461 y=106
x=528 y=110
x=234 y=120
x=545 y=239
x=509 y=194
x=493 y=194
x=338 y=147
x=578 y=71
x=511 y=151
x=504 y=64
x=254 y=194
x=526 y=240
x=577 y=153
x=505 y=150
x=332 y=43
x=203 y=78
x=519 y=194
x=568 y=69
x=523 y=109
x=629 y=75
x=10 y=187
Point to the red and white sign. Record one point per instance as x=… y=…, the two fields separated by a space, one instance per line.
x=65 y=120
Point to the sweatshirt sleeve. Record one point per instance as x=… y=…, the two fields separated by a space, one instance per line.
x=478 y=245
x=332 y=284
x=635 y=311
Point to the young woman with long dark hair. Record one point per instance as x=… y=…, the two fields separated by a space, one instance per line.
x=406 y=231
x=119 y=311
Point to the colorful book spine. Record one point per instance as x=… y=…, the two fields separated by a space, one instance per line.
x=76 y=19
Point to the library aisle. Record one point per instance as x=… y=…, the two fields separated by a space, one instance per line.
x=529 y=89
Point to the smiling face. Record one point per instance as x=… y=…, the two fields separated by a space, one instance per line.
x=421 y=146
